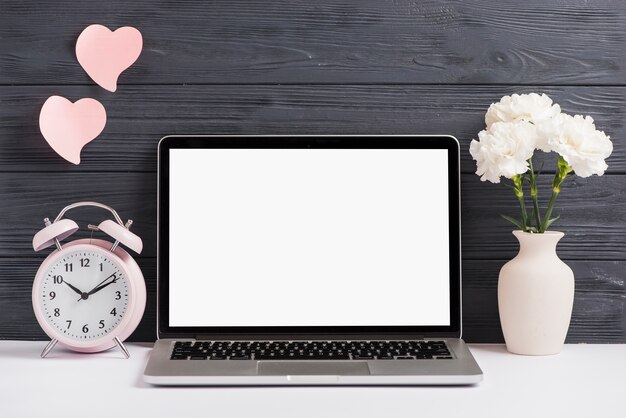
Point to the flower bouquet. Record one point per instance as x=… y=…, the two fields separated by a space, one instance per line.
x=536 y=288
x=517 y=126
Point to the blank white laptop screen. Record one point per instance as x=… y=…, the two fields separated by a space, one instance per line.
x=308 y=237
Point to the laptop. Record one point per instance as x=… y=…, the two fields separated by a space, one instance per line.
x=309 y=260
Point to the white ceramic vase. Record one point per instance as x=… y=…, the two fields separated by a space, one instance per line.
x=535 y=296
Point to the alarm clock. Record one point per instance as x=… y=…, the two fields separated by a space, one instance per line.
x=89 y=294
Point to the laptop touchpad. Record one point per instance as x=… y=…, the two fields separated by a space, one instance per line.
x=333 y=367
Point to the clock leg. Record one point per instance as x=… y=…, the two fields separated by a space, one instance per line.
x=121 y=346
x=49 y=347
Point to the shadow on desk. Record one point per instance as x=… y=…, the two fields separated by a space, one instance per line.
x=34 y=348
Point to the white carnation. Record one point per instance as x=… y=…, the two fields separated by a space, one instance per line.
x=531 y=107
x=578 y=141
x=503 y=150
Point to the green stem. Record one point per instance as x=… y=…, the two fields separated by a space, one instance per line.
x=519 y=193
x=534 y=193
x=544 y=225
x=524 y=214
x=563 y=170
x=559 y=176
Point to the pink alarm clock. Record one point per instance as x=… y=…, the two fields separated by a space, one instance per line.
x=89 y=294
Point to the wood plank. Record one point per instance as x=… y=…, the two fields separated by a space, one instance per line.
x=237 y=67
x=598 y=308
x=593 y=231
x=27 y=198
x=138 y=116
x=299 y=41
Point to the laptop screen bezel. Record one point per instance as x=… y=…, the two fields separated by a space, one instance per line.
x=444 y=142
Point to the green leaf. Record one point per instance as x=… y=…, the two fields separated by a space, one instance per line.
x=550 y=222
x=514 y=222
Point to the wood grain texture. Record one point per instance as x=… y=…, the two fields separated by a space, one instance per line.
x=599 y=304
x=323 y=67
x=28 y=198
x=345 y=41
x=138 y=116
x=593 y=231
x=593 y=217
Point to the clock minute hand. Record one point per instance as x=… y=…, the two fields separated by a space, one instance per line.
x=86 y=295
x=96 y=286
x=99 y=288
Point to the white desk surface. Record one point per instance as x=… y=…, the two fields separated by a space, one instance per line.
x=583 y=381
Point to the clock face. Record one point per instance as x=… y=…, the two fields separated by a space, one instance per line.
x=84 y=294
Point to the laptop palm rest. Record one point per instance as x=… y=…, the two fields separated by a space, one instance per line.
x=312 y=368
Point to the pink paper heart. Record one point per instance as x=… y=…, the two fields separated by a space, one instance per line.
x=68 y=126
x=104 y=54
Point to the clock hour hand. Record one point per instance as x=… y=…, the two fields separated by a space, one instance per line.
x=74 y=288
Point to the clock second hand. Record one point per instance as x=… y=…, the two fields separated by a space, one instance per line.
x=85 y=295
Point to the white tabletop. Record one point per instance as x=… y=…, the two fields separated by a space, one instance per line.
x=583 y=381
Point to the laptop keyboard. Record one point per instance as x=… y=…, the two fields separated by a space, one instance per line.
x=310 y=350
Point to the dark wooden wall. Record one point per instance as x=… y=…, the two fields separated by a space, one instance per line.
x=325 y=66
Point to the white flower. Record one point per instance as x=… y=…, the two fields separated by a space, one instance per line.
x=529 y=107
x=503 y=149
x=578 y=141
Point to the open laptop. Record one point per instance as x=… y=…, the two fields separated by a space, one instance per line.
x=309 y=260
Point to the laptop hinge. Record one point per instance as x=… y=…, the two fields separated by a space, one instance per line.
x=229 y=338
x=204 y=337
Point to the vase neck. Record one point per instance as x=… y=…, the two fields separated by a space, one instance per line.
x=537 y=244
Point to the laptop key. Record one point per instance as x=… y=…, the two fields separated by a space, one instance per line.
x=312 y=350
